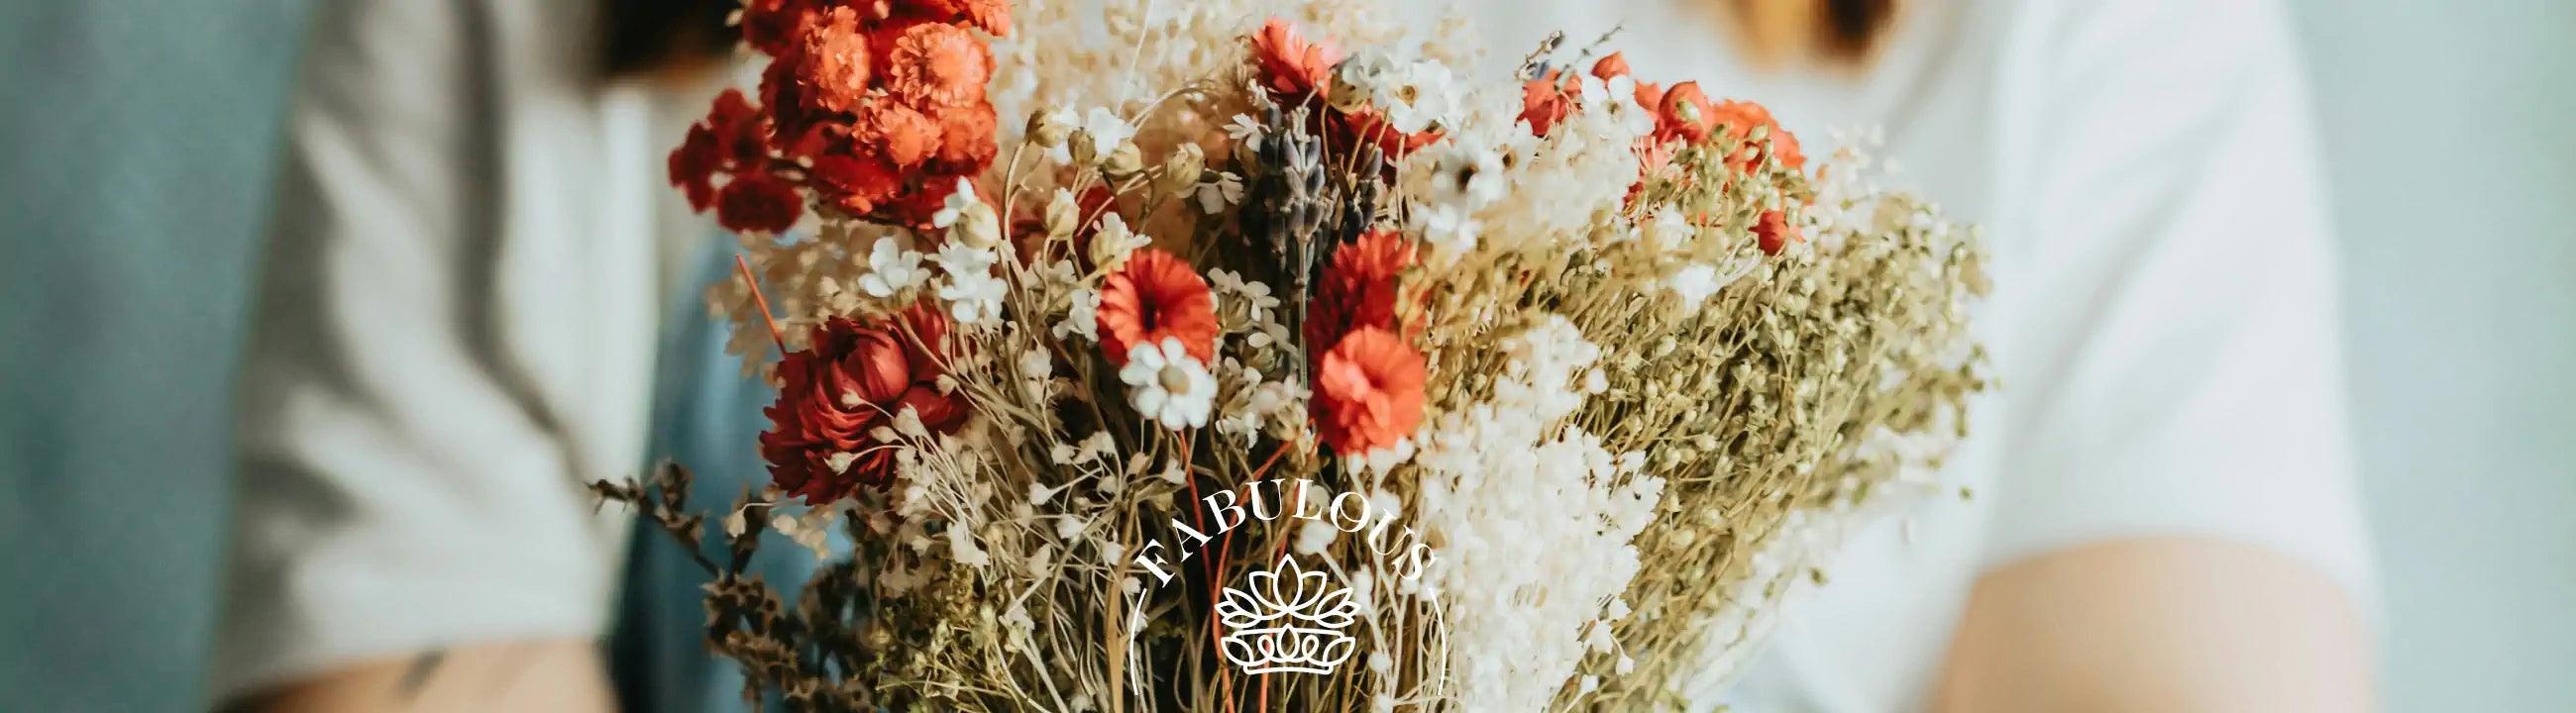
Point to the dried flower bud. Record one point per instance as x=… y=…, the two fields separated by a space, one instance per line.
x=1124 y=161
x=1063 y=215
x=1182 y=170
x=1050 y=129
x=1085 y=150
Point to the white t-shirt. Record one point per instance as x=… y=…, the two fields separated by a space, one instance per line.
x=438 y=368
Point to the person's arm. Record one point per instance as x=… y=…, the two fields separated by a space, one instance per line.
x=2177 y=524
x=2169 y=625
x=454 y=333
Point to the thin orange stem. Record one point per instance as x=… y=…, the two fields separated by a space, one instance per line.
x=758 y=300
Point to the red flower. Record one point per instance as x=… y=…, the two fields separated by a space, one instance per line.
x=1545 y=102
x=758 y=203
x=1367 y=126
x=1152 y=297
x=1684 y=114
x=1615 y=65
x=835 y=66
x=966 y=139
x=992 y=16
x=1358 y=289
x=899 y=133
x=727 y=140
x=1289 y=65
x=854 y=378
x=1740 y=118
x=859 y=184
x=1774 y=232
x=1368 y=392
x=937 y=66
x=693 y=166
x=771 y=25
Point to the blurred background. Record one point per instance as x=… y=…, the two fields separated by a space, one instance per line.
x=135 y=157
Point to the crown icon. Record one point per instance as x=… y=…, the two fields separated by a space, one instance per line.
x=1287 y=620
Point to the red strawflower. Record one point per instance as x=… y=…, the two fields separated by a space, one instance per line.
x=1289 y=65
x=1684 y=114
x=1368 y=392
x=936 y=66
x=1741 y=117
x=758 y=203
x=1615 y=65
x=1544 y=102
x=1154 y=296
x=693 y=166
x=856 y=376
x=835 y=67
x=1358 y=289
x=1774 y=233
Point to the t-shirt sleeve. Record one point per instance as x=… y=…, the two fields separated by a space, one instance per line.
x=2172 y=362
x=454 y=333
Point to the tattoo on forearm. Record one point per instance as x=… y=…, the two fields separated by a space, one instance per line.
x=416 y=676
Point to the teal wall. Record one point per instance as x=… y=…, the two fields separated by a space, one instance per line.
x=2451 y=131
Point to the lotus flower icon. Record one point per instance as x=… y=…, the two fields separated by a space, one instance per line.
x=1287 y=619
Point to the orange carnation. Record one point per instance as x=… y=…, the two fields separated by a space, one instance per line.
x=835 y=67
x=899 y=133
x=937 y=66
x=966 y=138
x=1153 y=297
x=1368 y=392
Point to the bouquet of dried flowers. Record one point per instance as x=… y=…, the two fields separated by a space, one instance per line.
x=1237 y=370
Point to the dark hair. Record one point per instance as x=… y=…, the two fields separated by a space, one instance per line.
x=1852 y=27
x=640 y=36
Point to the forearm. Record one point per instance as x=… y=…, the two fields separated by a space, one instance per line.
x=565 y=676
x=2164 y=625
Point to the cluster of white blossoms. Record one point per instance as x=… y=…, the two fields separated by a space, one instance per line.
x=1505 y=473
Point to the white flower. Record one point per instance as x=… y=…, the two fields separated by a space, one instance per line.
x=1113 y=242
x=1168 y=386
x=1669 y=232
x=1082 y=318
x=1107 y=130
x=1695 y=283
x=1220 y=192
x=1448 y=228
x=961 y=259
x=1315 y=536
x=974 y=297
x=1254 y=295
x=891 y=269
x=1470 y=175
x=956 y=205
x=1246 y=132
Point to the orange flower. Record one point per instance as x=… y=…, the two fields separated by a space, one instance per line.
x=966 y=138
x=1740 y=118
x=1367 y=126
x=1544 y=102
x=1684 y=114
x=1368 y=392
x=1291 y=66
x=834 y=68
x=937 y=66
x=1152 y=297
x=1615 y=65
x=1358 y=289
x=897 y=132
x=993 y=16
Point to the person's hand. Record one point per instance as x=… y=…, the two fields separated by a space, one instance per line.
x=533 y=676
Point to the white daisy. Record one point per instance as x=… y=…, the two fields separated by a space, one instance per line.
x=1220 y=192
x=1246 y=132
x=891 y=269
x=1167 y=386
